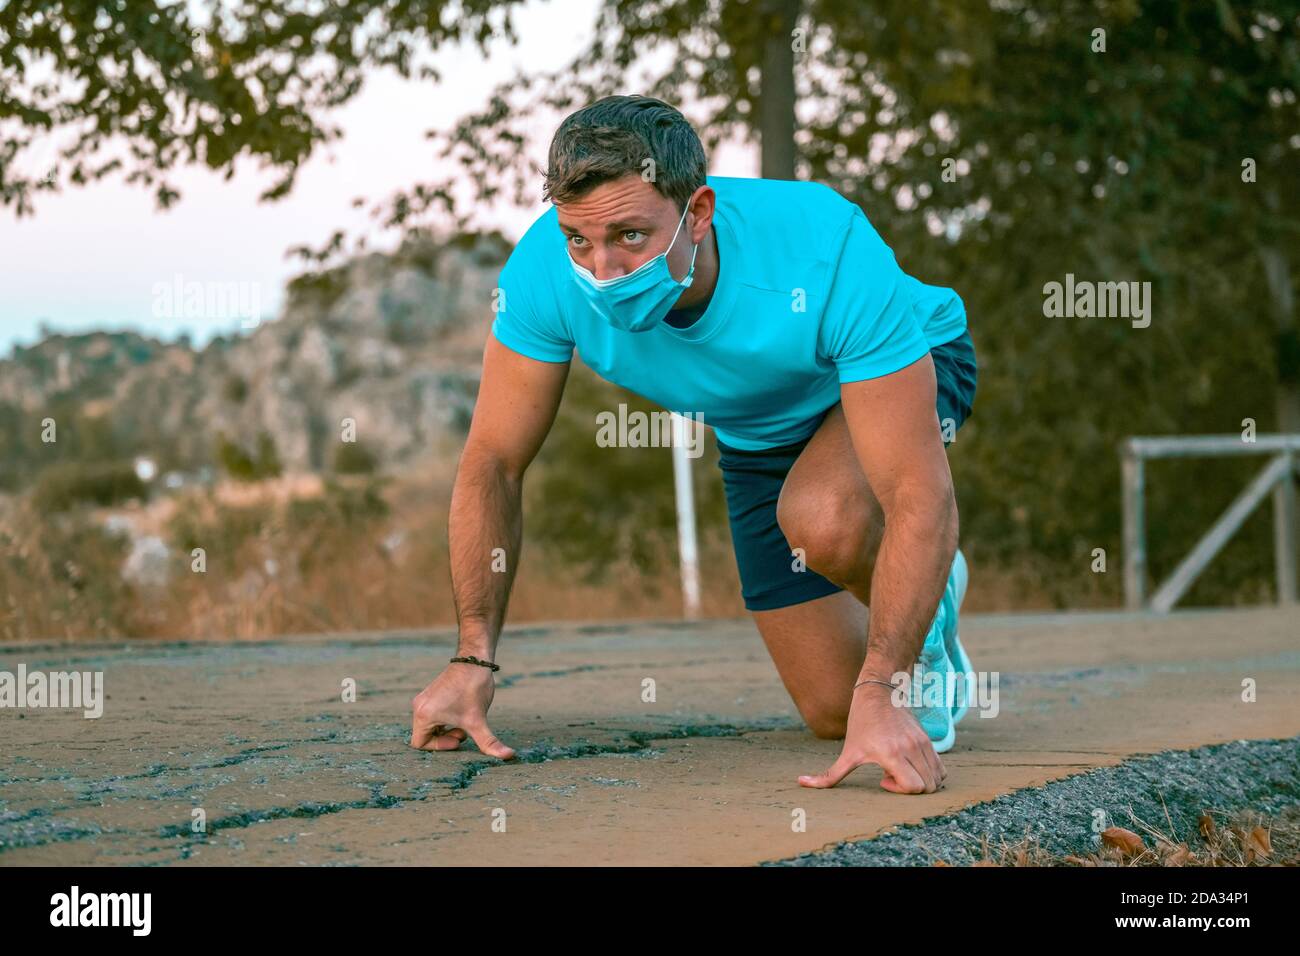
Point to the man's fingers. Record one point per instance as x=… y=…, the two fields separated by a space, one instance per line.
x=904 y=773
x=489 y=743
x=934 y=765
x=840 y=769
x=901 y=776
x=920 y=761
x=428 y=734
x=444 y=739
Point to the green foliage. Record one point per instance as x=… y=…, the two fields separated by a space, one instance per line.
x=354 y=458
x=268 y=461
x=62 y=578
x=264 y=462
x=321 y=525
x=235 y=389
x=182 y=86
x=353 y=502
x=338 y=521
x=97 y=364
x=79 y=437
x=222 y=535
x=1117 y=166
x=68 y=484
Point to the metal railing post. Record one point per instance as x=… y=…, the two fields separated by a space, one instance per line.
x=1284 y=532
x=1133 y=478
x=687 y=545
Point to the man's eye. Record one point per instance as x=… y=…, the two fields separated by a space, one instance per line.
x=575 y=240
x=633 y=233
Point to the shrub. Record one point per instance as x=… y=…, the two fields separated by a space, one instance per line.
x=69 y=484
x=354 y=458
x=235 y=389
x=242 y=466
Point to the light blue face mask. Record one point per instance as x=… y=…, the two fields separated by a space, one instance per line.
x=640 y=300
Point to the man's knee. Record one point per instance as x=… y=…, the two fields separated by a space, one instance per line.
x=836 y=536
x=828 y=724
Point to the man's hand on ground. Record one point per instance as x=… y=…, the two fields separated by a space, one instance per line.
x=881 y=733
x=453 y=706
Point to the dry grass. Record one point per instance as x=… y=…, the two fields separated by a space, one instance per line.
x=275 y=566
x=287 y=556
x=1246 y=838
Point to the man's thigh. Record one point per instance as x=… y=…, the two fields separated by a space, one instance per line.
x=826 y=500
x=826 y=496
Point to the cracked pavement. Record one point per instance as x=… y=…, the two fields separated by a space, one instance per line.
x=258 y=737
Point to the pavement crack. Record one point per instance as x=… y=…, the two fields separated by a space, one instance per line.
x=636 y=741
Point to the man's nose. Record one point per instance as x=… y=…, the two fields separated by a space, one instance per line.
x=609 y=264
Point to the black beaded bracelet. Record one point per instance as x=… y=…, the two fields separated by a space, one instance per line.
x=474 y=660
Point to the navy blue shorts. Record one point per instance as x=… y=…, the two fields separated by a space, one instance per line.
x=753 y=480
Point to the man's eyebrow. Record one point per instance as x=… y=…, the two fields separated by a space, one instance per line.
x=611 y=227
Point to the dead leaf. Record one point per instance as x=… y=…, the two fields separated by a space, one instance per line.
x=1079 y=861
x=939 y=863
x=1126 y=841
x=1258 y=841
x=984 y=863
x=1178 y=856
x=1206 y=825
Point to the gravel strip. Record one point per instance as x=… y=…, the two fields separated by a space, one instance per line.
x=1174 y=786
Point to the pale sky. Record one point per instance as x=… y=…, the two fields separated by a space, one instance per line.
x=91 y=257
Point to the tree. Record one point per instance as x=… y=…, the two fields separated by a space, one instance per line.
x=254 y=80
x=996 y=145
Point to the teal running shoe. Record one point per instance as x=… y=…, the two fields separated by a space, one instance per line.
x=935 y=667
x=953 y=594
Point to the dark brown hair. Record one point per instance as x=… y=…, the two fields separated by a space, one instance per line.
x=618 y=135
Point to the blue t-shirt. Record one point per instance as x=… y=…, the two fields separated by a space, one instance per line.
x=808 y=296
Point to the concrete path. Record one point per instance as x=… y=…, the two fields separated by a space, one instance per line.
x=258 y=737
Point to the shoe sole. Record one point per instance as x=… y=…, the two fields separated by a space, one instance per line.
x=945 y=744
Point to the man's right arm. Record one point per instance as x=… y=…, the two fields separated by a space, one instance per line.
x=517 y=402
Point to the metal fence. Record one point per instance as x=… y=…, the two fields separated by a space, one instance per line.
x=1278 y=477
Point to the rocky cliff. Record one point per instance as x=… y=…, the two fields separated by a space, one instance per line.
x=392 y=342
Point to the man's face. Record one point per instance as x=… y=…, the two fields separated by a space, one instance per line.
x=620 y=225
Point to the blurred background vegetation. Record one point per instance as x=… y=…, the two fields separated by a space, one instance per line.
x=996 y=145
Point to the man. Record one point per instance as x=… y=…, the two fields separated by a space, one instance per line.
x=833 y=382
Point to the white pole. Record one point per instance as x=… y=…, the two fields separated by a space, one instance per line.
x=687 y=550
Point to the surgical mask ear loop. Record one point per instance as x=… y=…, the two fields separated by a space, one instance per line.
x=690 y=273
x=686 y=280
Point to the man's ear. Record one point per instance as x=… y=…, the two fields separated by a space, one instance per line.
x=700 y=207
